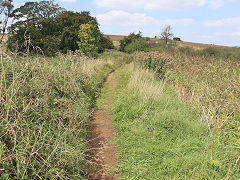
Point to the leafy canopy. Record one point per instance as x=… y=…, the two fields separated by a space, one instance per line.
x=89 y=39
x=6 y=7
x=47 y=28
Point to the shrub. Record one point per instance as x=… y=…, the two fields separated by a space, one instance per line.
x=127 y=40
x=138 y=44
x=106 y=43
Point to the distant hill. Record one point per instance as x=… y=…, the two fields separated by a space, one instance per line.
x=117 y=38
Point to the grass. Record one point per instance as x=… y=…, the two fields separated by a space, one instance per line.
x=45 y=107
x=210 y=85
x=179 y=122
x=158 y=135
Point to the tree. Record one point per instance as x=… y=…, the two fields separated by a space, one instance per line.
x=89 y=39
x=69 y=23
x=166 y=33
x=31 y=13
x=35 y=28
x=6 y=7
x=46 y=26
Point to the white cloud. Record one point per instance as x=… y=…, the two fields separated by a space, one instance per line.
x=71 y=1
x=214 y=4
x=160 y=4
x=122 y=18
x=177 y=22
x=173 y=5
x=227 y=22
x=150 y=4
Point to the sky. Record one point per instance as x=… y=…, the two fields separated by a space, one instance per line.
x=201 y=21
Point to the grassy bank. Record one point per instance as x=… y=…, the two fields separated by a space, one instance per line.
x=45 y=107
x=160 y=136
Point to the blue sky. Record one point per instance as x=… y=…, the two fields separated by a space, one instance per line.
x=203 y=21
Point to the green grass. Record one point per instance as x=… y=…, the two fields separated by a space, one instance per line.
x=158 y=135
x=45 y=108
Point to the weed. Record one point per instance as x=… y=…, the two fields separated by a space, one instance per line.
x=45 y=108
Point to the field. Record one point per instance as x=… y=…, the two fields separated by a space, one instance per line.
x=117 y=38
x=166 y=113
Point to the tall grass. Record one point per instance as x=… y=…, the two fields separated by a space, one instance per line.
x=44 y=111
x=158 y=135
x=211 y=86
x=231 y=53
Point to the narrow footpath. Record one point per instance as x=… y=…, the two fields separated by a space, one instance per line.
x=101 y=134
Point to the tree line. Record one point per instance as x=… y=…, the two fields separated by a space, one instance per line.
x=46 y=28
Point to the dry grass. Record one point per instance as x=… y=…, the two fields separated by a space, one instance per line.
x=45 y=107
x=144 y=81
x=211 y=86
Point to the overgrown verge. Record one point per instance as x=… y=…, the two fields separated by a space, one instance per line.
x=210 y=86
x=160 y=136
x=44 y=112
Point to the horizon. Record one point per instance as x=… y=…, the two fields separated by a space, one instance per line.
x=201 y=21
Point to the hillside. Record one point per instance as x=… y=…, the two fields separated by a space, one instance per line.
x=117 y=38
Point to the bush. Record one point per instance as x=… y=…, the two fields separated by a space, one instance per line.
x=127 y=40
x=106 y=43
x=138 y=44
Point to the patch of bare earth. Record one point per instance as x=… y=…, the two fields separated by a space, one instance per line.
x=101 y=133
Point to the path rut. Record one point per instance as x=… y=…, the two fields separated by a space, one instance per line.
x=101 y=132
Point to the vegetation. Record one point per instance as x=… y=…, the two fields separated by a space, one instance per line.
x=91 y=42
x=89 y=36
x=139 y=44
x=166 y=34
x=5 y=11
x=212 y=91
x=159 y=131
x=133 y=42
x=45 y=109
x=176 y=111
x=170 y=138
x=211 y=85
x=45 y=28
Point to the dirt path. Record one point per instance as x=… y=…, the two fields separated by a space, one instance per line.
x=101 y=132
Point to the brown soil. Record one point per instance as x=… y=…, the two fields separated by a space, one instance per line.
x=101 y=132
